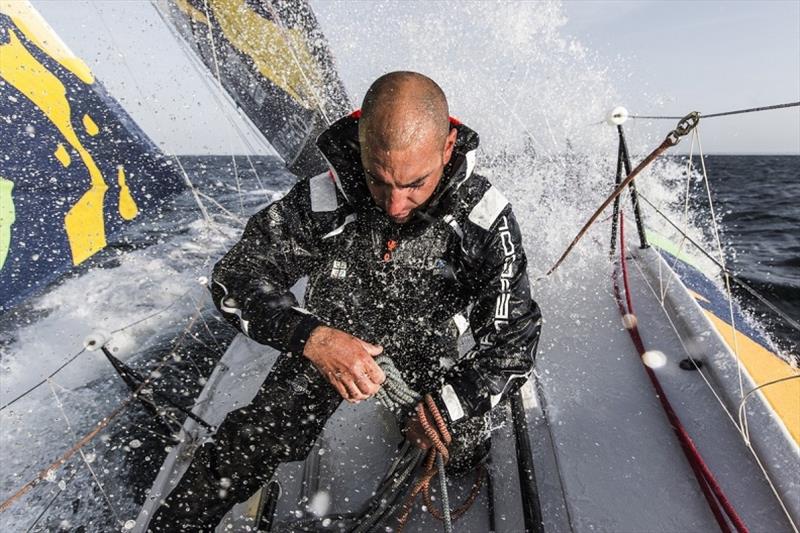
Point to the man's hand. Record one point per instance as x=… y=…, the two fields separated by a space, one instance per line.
x=346 y=361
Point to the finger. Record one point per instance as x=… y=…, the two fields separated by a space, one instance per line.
x=355 y=394
x=366 y=386
x=372 y=349
x=339 y=386
x=374 y=372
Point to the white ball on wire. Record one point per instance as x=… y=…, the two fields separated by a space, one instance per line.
x=654 y=358
x=618 y=116
x=96 y=340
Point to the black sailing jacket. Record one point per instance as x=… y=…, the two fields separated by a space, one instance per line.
x=407 y=287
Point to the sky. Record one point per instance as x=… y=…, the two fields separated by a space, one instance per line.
x=709 y=56
x=662 y=57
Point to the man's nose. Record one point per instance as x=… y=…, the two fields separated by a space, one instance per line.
x=396 y=203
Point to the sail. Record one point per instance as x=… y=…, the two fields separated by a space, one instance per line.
x=75 y=169
x=273 y=60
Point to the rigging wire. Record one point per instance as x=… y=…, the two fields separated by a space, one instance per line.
x=723 y=114
x=42 y=382
x=75 y=357
x=686 y=125
x=52 y=500
x=185 y=176
x=714 y=392
x=203 y=75
x=685 y=215
x=221 y=89
x=98 y=427
x=716 y=232
x=789 y=320
x=83 y=455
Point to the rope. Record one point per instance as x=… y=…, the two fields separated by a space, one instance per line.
x=711 y=489
x=398 y=397
x=42 y=382
x=686 y=125
x=723 y=114
x=789 y=320
x=52 y=500
x=74 y=357
x=715 y=228
x=86 y=461
x=717 y=397
x=741 y=410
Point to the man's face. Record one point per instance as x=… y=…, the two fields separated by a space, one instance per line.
x=401 y=181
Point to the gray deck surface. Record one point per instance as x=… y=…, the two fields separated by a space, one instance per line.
x=606 y=457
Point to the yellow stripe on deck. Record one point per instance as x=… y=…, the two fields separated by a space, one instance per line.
x=764 y=366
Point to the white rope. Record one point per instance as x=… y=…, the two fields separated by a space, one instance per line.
x=207 y=328
x=187 y=181
x=745 y=437
x=290 y=45
x=81 y=452
x=233 y=216
x=219 y=84
x=715 y=227
x=740 y=410
x=689 y=169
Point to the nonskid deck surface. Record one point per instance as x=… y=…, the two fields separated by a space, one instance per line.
x=605 y=455
x=620 y=463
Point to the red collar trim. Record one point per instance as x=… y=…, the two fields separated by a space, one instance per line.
x=357 y=115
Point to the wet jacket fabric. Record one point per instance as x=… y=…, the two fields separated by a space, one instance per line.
x=413 y=287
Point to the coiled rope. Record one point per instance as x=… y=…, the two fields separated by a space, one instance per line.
x=400 y=399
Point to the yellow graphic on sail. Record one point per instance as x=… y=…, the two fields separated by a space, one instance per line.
x=84 y=222
x=280 y=55
x=127 y=206
x=36 y=30
x=7 y=217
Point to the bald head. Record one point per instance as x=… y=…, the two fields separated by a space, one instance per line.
x=406 y=141
x=401 y=109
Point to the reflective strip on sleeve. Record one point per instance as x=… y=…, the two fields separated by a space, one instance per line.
x=488 y=209
x=452 y=403
x=244 y=324
x=323 y=193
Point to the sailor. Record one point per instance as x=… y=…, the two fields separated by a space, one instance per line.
x=403 y=246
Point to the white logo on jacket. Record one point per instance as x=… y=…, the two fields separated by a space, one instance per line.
x=503 y=299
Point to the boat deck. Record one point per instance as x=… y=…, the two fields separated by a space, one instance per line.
x=606 y=458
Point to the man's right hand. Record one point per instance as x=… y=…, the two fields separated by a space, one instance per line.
x=346 y=361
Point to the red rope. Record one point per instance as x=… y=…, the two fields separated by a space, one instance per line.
x=705 y=478
x=439 y=435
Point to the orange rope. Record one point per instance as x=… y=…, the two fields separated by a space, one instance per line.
x=439 y=435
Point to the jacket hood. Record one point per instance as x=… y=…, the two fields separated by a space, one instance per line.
x=340 y=148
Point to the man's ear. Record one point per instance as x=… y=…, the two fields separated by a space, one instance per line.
x=449 y=144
